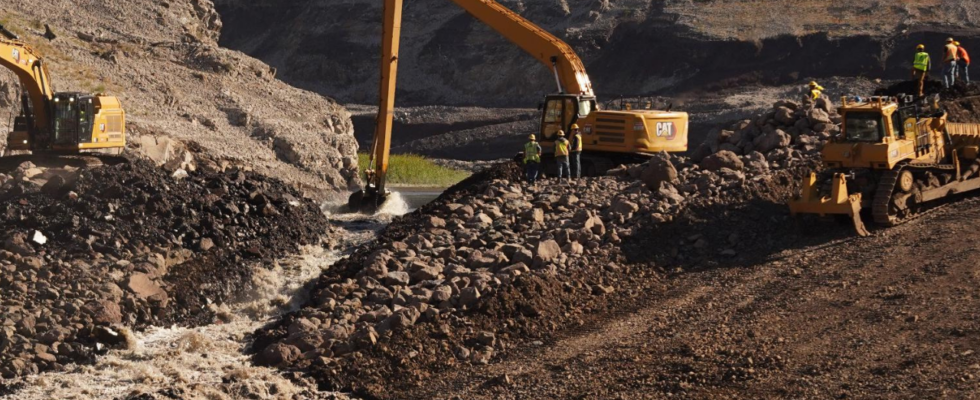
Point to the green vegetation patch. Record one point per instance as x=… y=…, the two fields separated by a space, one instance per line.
x=416 y=170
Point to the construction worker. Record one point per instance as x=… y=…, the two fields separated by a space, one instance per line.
x=815 y=90
x=561 y=156
x=950 y=57
x=576 y=152
x=532 y=159
x=964 y=61
x=921 y=67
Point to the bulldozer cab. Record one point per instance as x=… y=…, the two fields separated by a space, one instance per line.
x=560 y=111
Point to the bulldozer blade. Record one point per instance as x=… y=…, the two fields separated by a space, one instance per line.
x=856 y=218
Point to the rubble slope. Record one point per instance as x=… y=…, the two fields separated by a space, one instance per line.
x=163 y=61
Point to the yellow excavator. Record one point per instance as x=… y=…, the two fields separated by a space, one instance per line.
x=49 y=122
x=894 y=156
x=616 y=135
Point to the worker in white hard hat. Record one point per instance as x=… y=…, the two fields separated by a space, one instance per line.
x=950 y=58
x=561 y=156
x=575 y=152
x=532 y=159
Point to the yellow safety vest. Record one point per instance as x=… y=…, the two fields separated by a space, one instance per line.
x=531 y=152
x=815 y=93
x=922 y=61
x=561 y=148
x=577 y=148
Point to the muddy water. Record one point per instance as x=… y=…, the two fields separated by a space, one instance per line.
x=208 y=362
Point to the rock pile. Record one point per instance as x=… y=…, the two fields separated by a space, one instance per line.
x=780 y=137
x=88 y=252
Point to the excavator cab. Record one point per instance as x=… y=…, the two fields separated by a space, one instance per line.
x=559 y=112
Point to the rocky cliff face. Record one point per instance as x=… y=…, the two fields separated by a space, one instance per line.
x=163 y=61
x=631 y=47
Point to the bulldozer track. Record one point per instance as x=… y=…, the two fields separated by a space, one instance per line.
x=883 y=197
x=888 y=182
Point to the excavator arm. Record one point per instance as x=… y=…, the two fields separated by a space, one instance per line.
x=33 y=75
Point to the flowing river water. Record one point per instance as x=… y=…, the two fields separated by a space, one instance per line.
x=208 y=362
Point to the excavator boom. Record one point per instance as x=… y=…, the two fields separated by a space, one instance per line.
x=539 y=43
x=33 y=74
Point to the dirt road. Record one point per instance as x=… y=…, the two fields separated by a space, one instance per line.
x=892 y=316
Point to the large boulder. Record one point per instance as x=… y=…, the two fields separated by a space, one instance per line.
x=773 y=140
x=785 y=116
x=722 y=159
x=659 y=169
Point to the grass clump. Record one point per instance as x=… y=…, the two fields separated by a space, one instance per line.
x=416 y=170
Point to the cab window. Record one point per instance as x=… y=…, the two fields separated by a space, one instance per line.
x=553 y=111
x=864 y=127
x=584 y=108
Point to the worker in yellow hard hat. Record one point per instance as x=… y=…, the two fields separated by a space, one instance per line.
x=575 y=152
x=921 y=67
x=532 y=159
x=815 y=90
x=950 y=59
x=561 y=156
x=964 y=62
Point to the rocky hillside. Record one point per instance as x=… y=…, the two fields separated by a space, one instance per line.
x=164 y=62
x=631 y=47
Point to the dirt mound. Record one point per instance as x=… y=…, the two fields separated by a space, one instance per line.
x=89 y=251
x=962 y=101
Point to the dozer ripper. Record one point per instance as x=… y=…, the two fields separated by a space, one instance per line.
x=607 y=136
x=49 y=122
x=893 y=157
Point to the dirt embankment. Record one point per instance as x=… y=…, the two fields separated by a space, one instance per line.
x=634 y=47
x=163 y=61
x=90 y=251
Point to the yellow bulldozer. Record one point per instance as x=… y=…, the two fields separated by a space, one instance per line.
x=49 y=122
x=893 y=156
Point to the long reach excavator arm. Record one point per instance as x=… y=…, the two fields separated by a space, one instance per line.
x=629 y=133
x=33 y=74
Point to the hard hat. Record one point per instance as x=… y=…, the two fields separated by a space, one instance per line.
x=949 y=40
x=813 y=83
x=561 y=133
x=956 y=43
x=574 y=126
x=531 y=136
x=920 y=47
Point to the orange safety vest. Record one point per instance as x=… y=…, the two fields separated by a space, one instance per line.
x=561 y=147
x=961 y=52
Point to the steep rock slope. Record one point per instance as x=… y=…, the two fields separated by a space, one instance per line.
x=163 y=61
x=631 y=47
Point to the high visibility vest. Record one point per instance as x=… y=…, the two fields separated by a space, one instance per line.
x=531 y=152
x=561 y=148
x=815 y=93
x=577 y=143
x=922 y=61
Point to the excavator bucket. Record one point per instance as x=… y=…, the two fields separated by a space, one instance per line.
x=839 y=202
x=366 y=201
